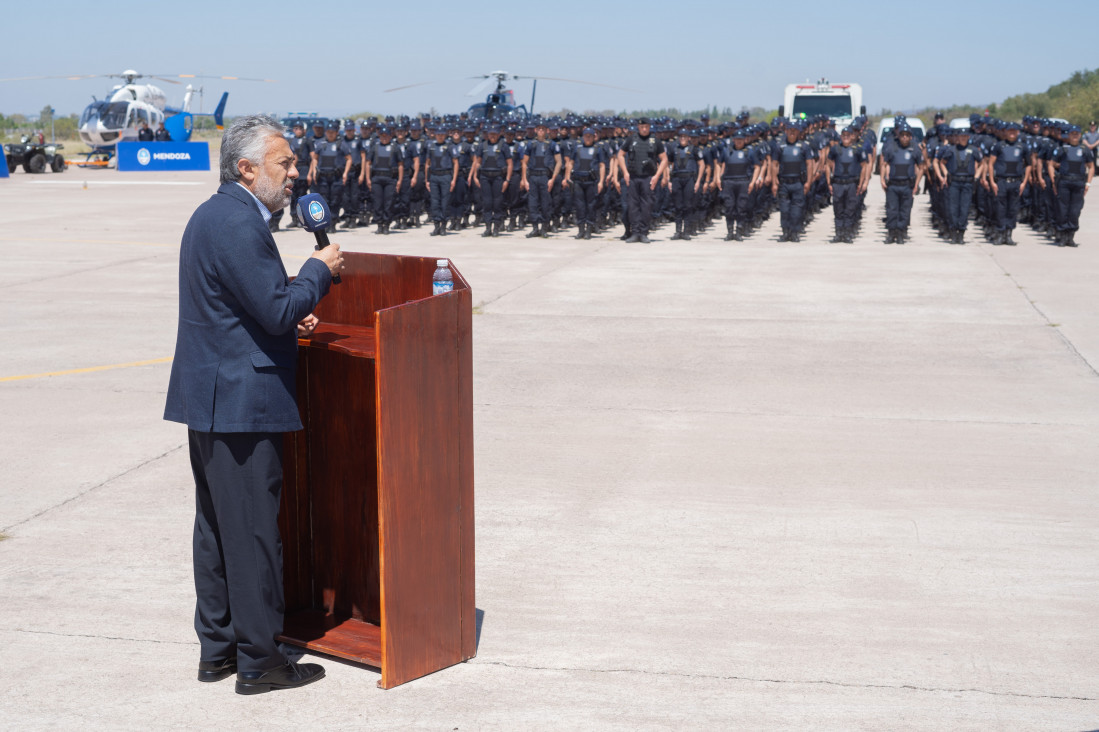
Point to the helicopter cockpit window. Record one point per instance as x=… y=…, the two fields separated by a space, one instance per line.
x=114 y=115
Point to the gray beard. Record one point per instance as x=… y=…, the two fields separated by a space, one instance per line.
x=271 y=195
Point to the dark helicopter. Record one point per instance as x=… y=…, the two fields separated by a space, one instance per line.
x=500 y=103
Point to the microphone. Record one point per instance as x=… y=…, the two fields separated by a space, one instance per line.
x=315 y=216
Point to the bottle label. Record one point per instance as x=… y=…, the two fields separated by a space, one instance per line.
x=438 y=288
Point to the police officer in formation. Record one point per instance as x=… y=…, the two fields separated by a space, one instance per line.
x=595 y=174
x=1071 y=166
x=302 y=148
x=902 y=167
x=440 y=177
x=738 y=175
x=957 y=167
x=642 y=161
x=793 y=166
x=383 y=173
x=541 y=166
x=329 y=165
x=686 y=171
x=847 y=173
x=492 y=167
x=586 y=173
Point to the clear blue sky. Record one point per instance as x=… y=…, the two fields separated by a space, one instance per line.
x=686 y=54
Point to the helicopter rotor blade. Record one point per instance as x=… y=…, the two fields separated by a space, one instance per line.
x=408 y=86
x=223 y=78
x=578 y=81
x=70 y=78
x=480 y=88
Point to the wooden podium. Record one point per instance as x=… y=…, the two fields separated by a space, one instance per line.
x=377 y=502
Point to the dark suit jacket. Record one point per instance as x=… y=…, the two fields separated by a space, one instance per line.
x=236 y=347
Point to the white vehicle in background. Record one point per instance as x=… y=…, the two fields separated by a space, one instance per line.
x=885 y=132
x=959 y=122
x=840 y=102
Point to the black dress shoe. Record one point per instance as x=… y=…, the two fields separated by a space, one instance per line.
x=216 y=670
x=284 y=677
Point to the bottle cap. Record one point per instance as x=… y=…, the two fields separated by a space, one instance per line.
x=441 y=262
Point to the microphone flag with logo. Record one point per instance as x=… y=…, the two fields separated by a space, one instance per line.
x=315 y=216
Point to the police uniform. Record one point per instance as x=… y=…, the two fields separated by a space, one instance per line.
x=586 y=172
x=738 y=166
x=847 y=164
x=492 y=164
x=441 y=159
x=643 y=157
x=686 y=166
x=301 y=147
x=960 y=161
x=384 y=167
x=352 y=147
x=1008 y=170
x=330 y=159
x=1075 y=165
x=904 y=172
x=541 y=164
x=793 y=159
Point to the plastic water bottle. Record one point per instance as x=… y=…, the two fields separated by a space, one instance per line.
x=443 y=279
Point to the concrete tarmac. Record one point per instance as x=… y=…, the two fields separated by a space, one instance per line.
x=718 y=485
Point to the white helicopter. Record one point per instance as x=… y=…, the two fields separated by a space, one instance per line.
x=119 y=118
x=105 y=123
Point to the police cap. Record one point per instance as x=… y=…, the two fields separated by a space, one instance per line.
x=588 y=131
x=1013 y=126
x=644 y=121
x=384 y=130
x=349 y=125
x=299 y=123
x=333 y=125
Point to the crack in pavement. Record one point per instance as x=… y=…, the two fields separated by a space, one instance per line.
x=819 y=682
x=1060 y=332
x=98 y=637
x=86 y=491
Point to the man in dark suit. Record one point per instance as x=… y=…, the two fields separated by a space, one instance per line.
x=233 y=385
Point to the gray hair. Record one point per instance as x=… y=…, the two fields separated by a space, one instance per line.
x=246 y=139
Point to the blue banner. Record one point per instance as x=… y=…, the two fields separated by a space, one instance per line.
x=3 y=163
x=163 y=156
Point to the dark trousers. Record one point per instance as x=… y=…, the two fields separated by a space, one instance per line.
x=683 y=197
x=440 y=196
x=791 y=204
x=237 y=550
x=1007 y=204
x=1070 y=202
x=898 y=204
x=351 y=194
x=734 y=193
x=539 y=202
x=384 y=191
x=583 y=200
x=301 y=187
x=959 y=194
x=845 y=204
x=459 y=203
x=330 y=186
x=492 y=198
x=639 y=204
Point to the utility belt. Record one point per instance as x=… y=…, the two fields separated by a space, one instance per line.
x=442 y=173
x=903 y=181
x=1010 y=178
x=1073 y=178
x=326 y=174
x=791 y=179
x=961 y=178
x=539 y=171
x=688 y=174
x=844 y=181
x=491 y=173
x=735 y=177
x=583 y=176
x=381 y=174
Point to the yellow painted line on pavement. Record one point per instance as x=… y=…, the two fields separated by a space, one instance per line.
x=57 y=240
x=88 y=370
